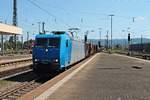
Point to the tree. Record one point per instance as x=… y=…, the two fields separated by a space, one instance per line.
x=28 y=44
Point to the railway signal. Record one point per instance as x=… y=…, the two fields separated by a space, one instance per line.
x=129 y=40
x=99 y=43
x=85 y=38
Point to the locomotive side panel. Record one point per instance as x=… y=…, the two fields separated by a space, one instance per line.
x=78 y=51
x=65 y=51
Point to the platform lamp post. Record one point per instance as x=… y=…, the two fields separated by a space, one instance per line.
x=111 y=23
x=124 y=44
x=99 y=43
x=107 y=40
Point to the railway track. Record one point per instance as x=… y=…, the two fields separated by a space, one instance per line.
x=19 y=90
x=15 y=62
x=15 y=67
x=23 y=88
x=27 y=82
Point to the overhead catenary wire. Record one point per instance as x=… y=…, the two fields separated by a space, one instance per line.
x=74 y=11
x=56 y=19
x=88 y=13
x=46 y=11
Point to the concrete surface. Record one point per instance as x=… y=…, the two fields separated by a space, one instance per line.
x=9 y=29
x=108 y=77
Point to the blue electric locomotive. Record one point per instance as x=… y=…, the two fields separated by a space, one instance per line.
x=56 y=51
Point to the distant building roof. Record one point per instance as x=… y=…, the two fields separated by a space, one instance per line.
x=9 y=29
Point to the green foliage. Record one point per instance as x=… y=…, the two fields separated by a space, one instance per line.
x=28 y=44
x=9 y=45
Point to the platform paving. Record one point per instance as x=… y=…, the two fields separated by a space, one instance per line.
x=108 y=77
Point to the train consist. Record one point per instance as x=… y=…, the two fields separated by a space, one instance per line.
x=58 y=50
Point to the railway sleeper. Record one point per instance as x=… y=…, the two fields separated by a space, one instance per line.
x=17 y=94
x=2 y=65
x=12 y=97
x=21 y=92
x=11 y=64
x=15 y=62
x=28 y=88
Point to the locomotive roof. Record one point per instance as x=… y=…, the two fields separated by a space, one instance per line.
x=51 y=35
x=57 y=34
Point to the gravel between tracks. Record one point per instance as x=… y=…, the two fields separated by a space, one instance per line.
x=11 y=82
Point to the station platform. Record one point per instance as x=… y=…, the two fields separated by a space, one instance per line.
x=105 y=77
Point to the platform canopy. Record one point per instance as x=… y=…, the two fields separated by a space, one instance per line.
x=10 y=30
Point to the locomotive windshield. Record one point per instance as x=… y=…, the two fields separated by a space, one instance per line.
x=54 y=42
x=41 y=41
x=50 y=42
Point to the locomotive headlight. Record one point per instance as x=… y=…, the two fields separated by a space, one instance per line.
x=46 y=50
x=56 y=60
x=35 y=60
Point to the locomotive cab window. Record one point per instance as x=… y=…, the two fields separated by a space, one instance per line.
x=54 y=42
x=41 y=42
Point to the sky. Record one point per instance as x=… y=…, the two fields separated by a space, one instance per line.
x=87 y=15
